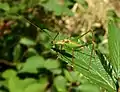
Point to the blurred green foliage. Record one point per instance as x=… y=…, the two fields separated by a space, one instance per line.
x=32 y=60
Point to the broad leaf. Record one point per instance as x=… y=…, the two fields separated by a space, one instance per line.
x=8 y=74
x=32 y=64
x=27 y=41
x=38 y=86
x=88 y=88
x=114 y=47
x=13 y=85
x=31 y=52
x=51 y=64
x=95 y=71
x=68 y=76
x=72 y=76
x=17 y=85
x=60 y=84
x=4 y=6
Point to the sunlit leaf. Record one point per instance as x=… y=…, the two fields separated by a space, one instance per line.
x=114 y=46
x=8 y=74
x=17 y=85
x=4 y=6
x=68 y=76
x=88 y=88
x=56 y=71
x=60 y=84
x=38 y=86
x=51 y=64
x=32 y=64
x=95 y=71
x=27 y=41
x=13 y=85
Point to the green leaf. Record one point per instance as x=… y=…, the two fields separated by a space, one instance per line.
x=31 y=3
x=37 y=87
x=68 y=76
x=27 y=41
x=114 y=47
x=60 y=83
x=32 y=64
x=51 y=64
x=56 y=71
x=31 y=52
x=9 y=73
x=95 y=71
x=75 y=75
x=2 y=91
x=4 y=83
x=4 y=6
x=43 y=83
x=17 y=52
x=88 y=88
x=26 y=82
x=13 y=85
x=33 y=88
x=58 y=7
x=17 y=85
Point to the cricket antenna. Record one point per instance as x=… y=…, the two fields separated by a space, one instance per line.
x=35 y=26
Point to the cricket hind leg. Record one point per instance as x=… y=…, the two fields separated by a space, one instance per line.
x=92 y=51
